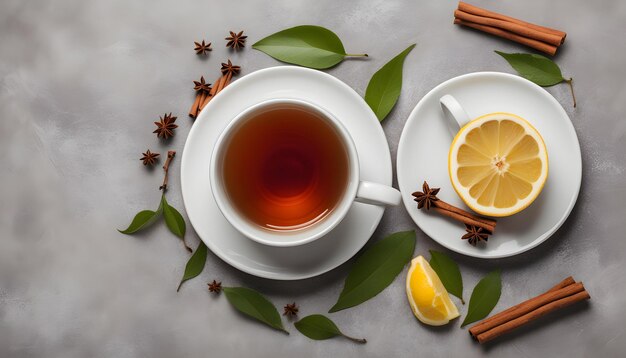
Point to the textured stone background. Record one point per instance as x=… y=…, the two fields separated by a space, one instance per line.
x=81 y=82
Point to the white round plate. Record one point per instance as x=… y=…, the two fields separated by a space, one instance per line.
x=284 y=263
x=423 y=155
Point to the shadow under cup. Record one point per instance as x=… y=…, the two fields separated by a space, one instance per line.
x=283 y=172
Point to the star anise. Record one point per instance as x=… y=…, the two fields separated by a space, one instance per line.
x=201 y=85
x=291 y=310
x=165 y=126
x=202 y=48
x=215 y=286
x=475 y=234
x=427 y=197
x=236 y=40
x=149 y=158
x=230 y=68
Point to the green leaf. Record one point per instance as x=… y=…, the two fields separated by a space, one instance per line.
x=535 y=68
x=317 y=327
x=384 y=88
x=484 y=297
x=253 y=304
x=538 y=69
x=376 y=269
x=308 y=46
x=195 y=265
x=320 y=327
x=174 y=221
x=449 y=273
x=142 y=220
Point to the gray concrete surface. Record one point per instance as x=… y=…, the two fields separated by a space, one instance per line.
x=80 y=85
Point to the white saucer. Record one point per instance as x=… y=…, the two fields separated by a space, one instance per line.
x=284 y=263
x=423 y=155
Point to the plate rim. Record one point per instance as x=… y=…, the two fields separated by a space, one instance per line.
x=507 y=76
x=285 y=276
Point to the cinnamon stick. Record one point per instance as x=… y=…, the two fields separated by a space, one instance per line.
x=489 y=223
x=561 y=295
x=427 y=198
x=566 y=282
x=205 y=100
x=475 y=10
x=215 y=87
x=525 y=307
x=537 y=45
x=220 y=84
x=193 y=112
x=540 y=38
x=465 y=219
x=511 y=27
x=210 y=95
x=214 y=91
x=531 y=316
x=227 y=80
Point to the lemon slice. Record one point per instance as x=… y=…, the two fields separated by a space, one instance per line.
x=498 y=164
x=428 y=298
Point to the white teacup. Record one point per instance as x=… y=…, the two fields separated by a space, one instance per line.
x=356 y=189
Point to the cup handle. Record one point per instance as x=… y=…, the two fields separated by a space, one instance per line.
x=377 y=194
x=455 y=115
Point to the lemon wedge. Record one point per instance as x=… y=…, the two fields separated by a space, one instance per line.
x=498 y=164
x=428 y=298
